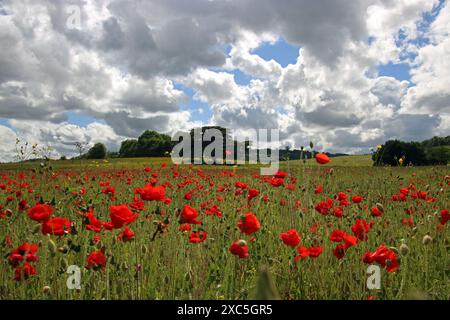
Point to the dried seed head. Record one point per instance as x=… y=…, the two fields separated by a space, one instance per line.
x=404 y=249
x=46 y=289
x=427 y=240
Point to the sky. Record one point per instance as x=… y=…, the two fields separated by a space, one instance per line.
x=347 y=75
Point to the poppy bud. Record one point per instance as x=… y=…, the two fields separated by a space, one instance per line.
x=51 y=246
x=380 y=207
x=124 y=266
x=64 y=264
x=63 y=249
x=242 y=243
x=414 y=231
x=427 y=240
x=404 y=249
x=36 y=229
x=144 y=249
x=394 y=249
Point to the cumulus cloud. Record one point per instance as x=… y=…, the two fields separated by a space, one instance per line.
x=122 y=66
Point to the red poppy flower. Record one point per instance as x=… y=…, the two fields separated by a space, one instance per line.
x=121 y=215
x=281 y=175
x=185 y=227
x=92 y=223
x=303 y=252
x=314 y=252
x=56 y=226
x=276 y=182
x=356 y=199
x=25 y=252
x=445 y=216
x=383 y=256
x=40 y=212
x=375 y=212
x=239 y=248
x=290 y=238
x=339 y=251
x=26 y=271
x=350 y=241
x=361 y=228
x=197 y=236
x=322 y=158
x=189 y=215
x=324 y=206
x=96 y=259
x=126 y=235
x=252 y=193
x=337 y=235
x=318 y=189
x=151 y=193
x=248 y=223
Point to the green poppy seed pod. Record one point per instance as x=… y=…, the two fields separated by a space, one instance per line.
x=64 y=264
x=311 y=145
x=394 y=249
x=63 y=249
x=99 y=244
x=46 y=290
x=51 y=246
x=404 y=249
x=380 y=207
x=427 y=240
x=36 y=229
x=124 y=266
x=242 y=243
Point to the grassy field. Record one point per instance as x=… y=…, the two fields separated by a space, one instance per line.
x=170 y=256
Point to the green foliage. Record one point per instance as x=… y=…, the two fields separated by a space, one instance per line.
x=436 y=142
x=438 y=155
x=149 y=144
x=429 y=152
x=153 y=144
x=128 y=148
x=393 y=150
x=98 y=151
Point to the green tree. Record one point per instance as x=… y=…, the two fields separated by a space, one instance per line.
x=153 y=144
x=438 y=155
x=128 y=148
x=391 y=152
x=98 y=151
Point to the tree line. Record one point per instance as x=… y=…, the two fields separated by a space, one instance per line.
x=434 y=151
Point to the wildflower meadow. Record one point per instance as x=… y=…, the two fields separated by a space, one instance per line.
x=150 y=229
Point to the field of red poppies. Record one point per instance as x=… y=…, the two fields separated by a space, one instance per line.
x=162 y=231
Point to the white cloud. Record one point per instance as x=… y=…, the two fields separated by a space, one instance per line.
x=121 y=66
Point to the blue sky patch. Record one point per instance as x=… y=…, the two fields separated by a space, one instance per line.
x=398 y=71
x=281 y=51
x=200 y=111
x=80 y=119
